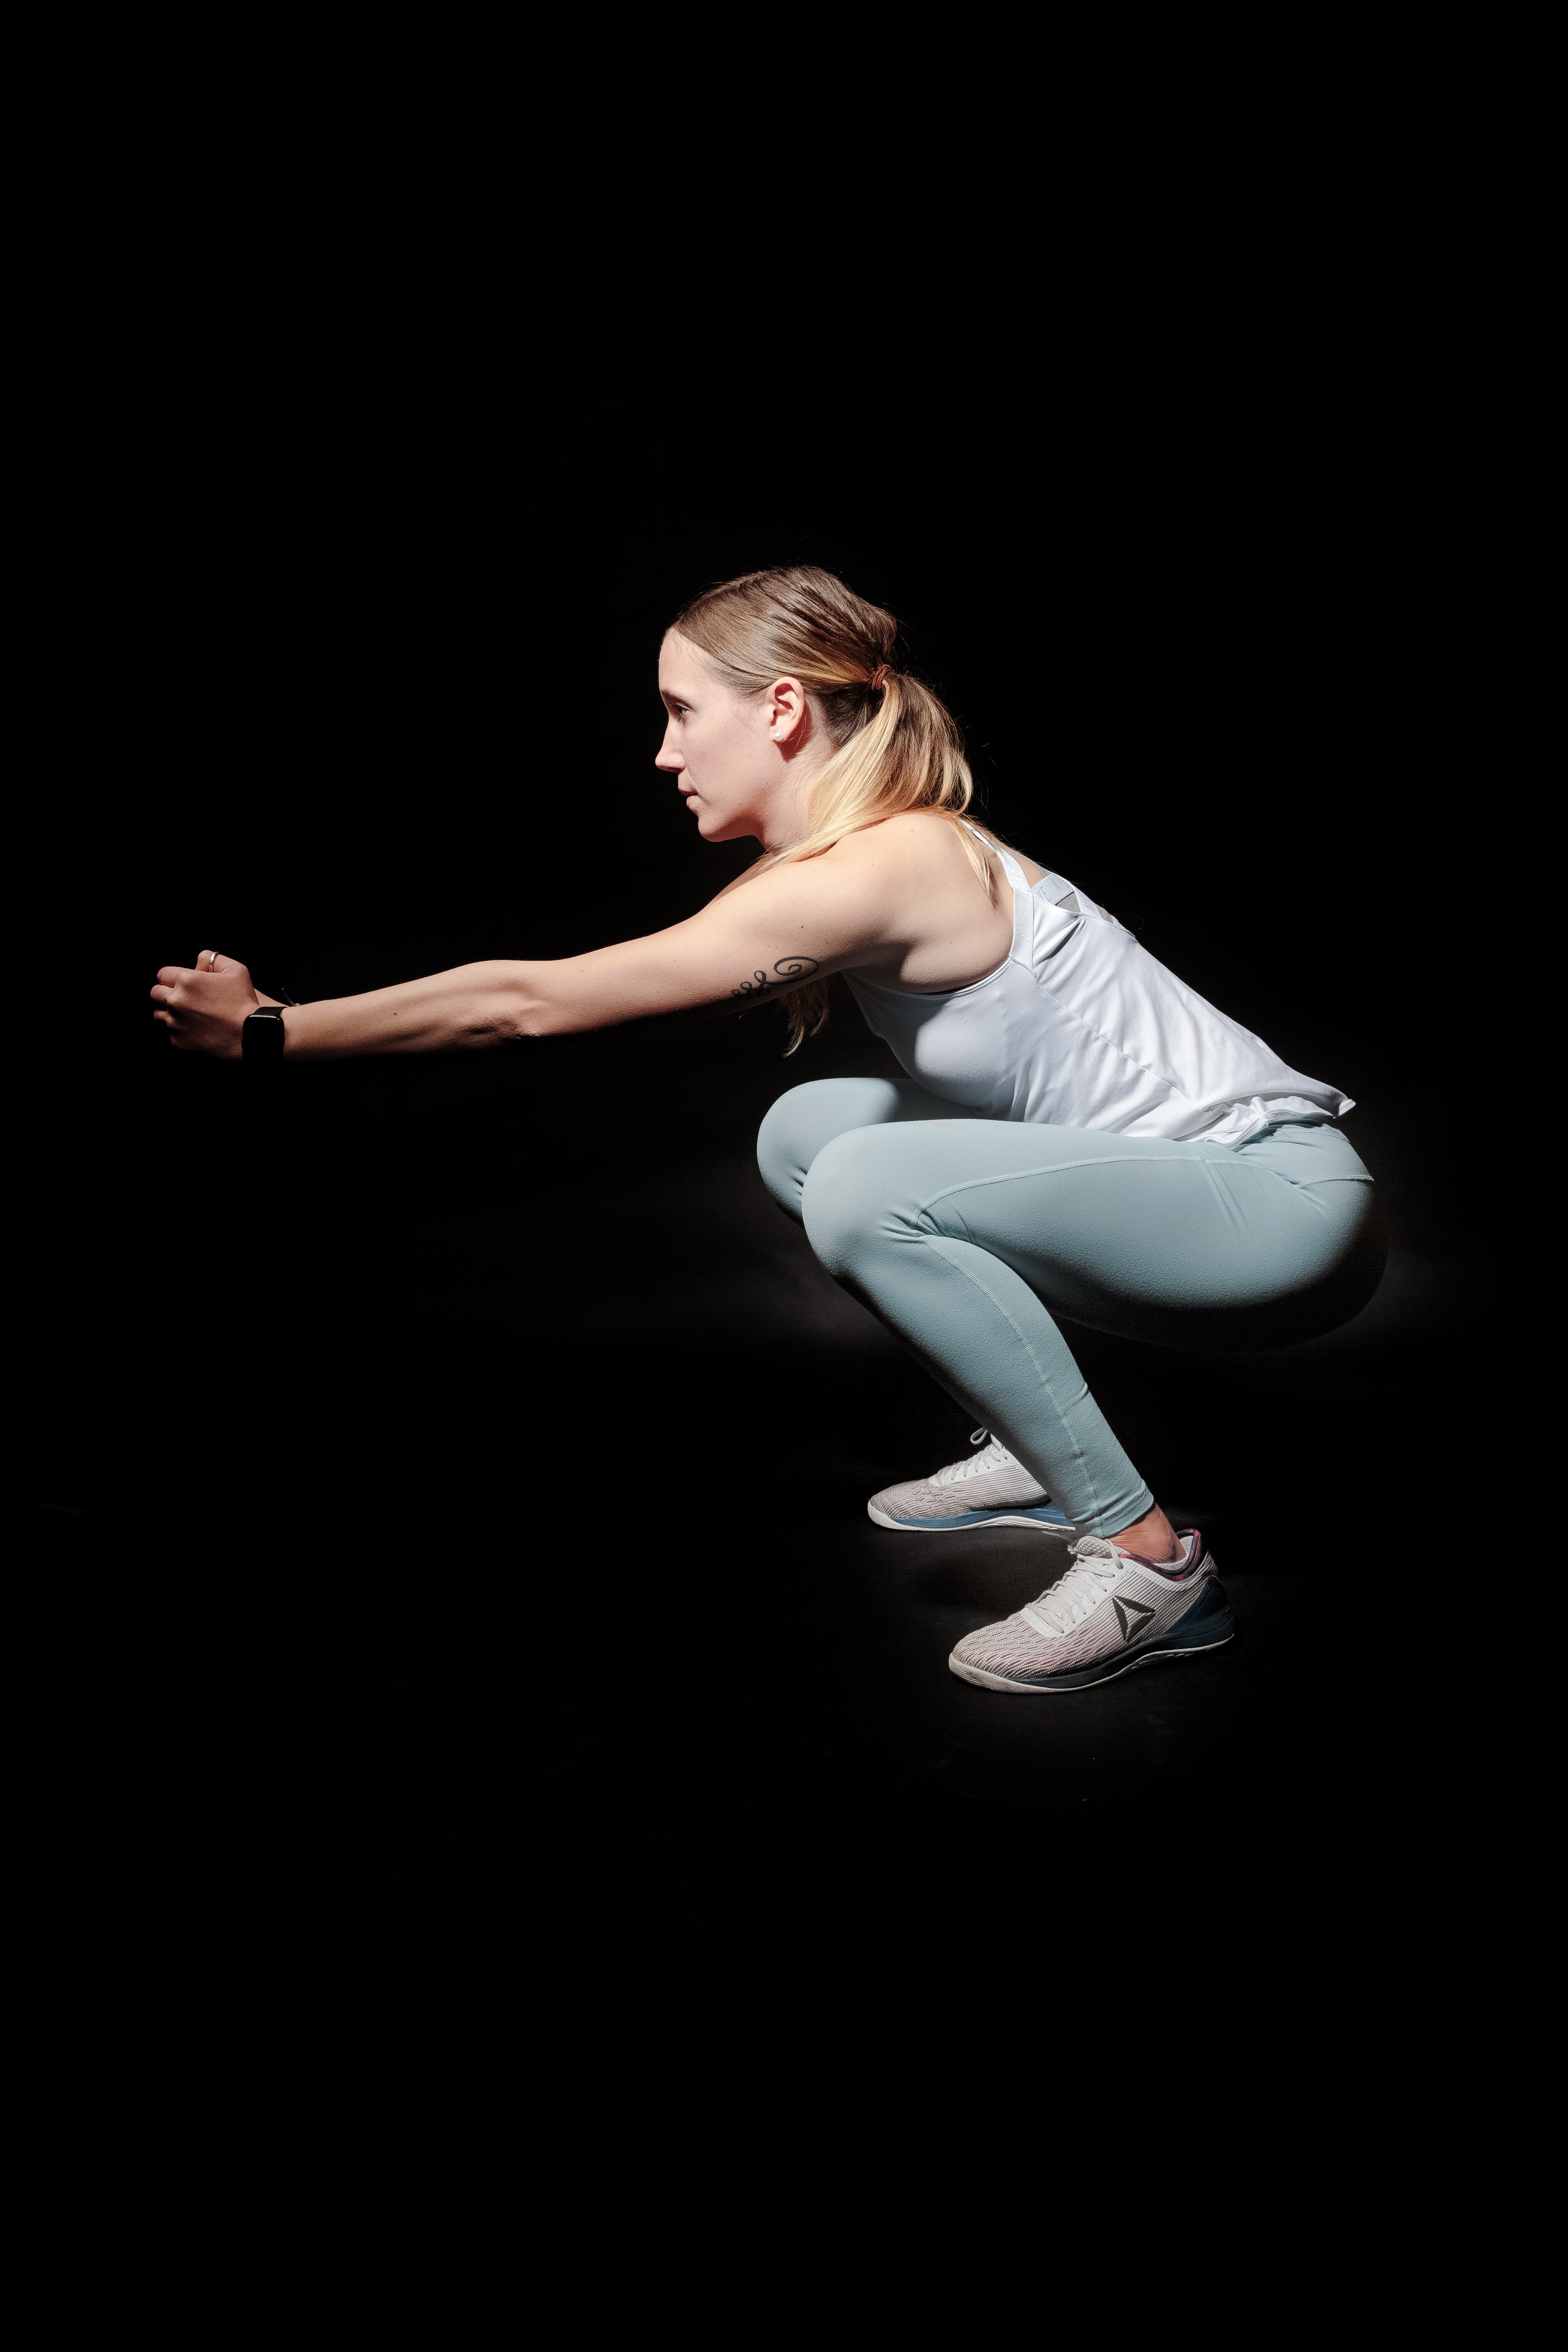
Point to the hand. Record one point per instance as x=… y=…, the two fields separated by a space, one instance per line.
x=203 y=1009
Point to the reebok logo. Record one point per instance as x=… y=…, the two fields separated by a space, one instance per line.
x=1131 y=1616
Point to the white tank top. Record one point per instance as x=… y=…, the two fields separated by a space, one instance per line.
x=1082 y=1027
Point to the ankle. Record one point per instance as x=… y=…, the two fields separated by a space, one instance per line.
x=1152 y=1538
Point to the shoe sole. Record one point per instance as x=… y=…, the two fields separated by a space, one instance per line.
x=1047 y=1518
x=1106 y=1673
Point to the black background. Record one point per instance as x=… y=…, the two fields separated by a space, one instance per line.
x=524 y=1814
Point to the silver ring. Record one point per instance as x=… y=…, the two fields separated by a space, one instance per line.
x=211 y=959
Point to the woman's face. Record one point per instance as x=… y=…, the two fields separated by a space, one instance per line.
x=731 y=754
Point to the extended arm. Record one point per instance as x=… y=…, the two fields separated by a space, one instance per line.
x=797 y=923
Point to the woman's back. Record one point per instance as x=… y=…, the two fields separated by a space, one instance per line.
x=1081 y=1026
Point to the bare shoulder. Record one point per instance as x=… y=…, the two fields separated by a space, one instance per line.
x=923 y=847
x=916 y=843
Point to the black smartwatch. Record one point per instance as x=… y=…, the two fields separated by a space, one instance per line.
x=262 y=1034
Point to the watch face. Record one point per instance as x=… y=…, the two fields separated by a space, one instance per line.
x=261 y=1035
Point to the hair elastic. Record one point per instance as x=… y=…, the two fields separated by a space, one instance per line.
x=878 y=677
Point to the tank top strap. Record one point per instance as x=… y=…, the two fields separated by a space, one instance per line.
x=1010 y=865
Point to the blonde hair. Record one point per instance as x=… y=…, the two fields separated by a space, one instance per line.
x=896 y=746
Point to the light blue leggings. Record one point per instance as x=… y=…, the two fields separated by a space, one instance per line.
x=964 y=1236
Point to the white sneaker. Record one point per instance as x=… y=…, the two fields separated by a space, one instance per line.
x=990 y=1489
x=1111 y=1612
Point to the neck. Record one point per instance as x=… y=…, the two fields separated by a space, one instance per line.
x=784 y=820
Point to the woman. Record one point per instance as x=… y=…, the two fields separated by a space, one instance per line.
x=1079 y=1133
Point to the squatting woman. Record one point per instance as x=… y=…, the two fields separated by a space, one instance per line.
x=1077 y=1133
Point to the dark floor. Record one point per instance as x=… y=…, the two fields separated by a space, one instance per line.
x=525 y=1806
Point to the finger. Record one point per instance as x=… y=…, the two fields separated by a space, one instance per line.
x=209 y=960
x=169 y=972
x=164 y=1020
x=162 y=994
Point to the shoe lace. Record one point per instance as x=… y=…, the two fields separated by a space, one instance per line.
x=1096 y=1567
x=994 y=1456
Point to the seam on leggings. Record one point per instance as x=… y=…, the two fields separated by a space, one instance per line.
x=1100 y=1159
x=1040 y=1372
x=1115 y=1160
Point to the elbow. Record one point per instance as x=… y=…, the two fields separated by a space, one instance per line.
x=530 y=1014
x=539 y=1004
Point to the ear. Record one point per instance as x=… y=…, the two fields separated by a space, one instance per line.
x=787 y=709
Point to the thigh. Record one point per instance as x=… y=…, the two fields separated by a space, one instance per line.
x=809 y=1118
x=1151 y=1238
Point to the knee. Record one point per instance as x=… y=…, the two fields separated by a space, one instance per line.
x=803 y=1121
x=852 y=1198
x=786 y=1147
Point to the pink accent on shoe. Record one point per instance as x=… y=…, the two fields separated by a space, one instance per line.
x=1192 y=1559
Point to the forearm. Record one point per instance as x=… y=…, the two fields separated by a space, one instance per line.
x=476 y=1004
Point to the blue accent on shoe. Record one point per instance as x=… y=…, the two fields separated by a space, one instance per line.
x=1044 y=1514
x=1209 y=1614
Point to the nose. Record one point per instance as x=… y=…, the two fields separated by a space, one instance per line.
x=667 y=756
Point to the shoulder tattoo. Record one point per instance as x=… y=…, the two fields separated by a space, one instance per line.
x=788 y=973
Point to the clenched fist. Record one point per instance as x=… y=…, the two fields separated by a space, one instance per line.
x=203 y=1009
